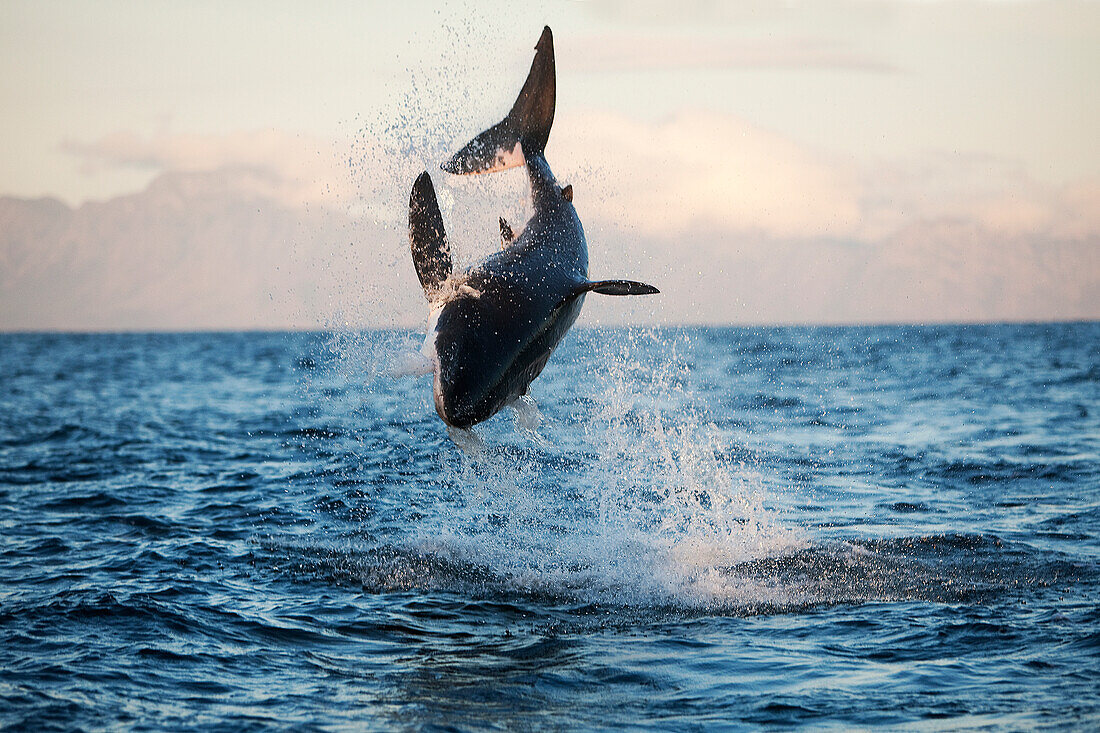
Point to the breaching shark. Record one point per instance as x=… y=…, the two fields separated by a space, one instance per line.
x=492 y=328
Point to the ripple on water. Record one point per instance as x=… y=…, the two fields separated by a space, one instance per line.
x=854 y=528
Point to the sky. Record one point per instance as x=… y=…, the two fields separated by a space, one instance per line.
x=241 y=165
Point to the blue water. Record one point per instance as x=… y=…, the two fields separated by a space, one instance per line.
x=869 y=527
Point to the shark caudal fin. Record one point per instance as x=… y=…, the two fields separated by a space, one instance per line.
x=526 y=128
x=430 y=251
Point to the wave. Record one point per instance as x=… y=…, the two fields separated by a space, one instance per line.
x=631 y=496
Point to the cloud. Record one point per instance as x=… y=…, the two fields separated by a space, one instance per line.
x=199 y=250
x=304 y=168
x=996 y=195
x=703 y=170
x=662 y=52
x=734 y=223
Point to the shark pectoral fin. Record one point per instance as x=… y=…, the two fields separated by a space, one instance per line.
x=431 y=253
x=616 y=287
x=526 y=128
x=610 y=287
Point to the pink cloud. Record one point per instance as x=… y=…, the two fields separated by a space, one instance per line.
x=192 y=251
x=733 y=223
x=303 y=168
x=662 y=52
x=703 y=170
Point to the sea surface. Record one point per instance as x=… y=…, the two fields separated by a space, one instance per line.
x=713 y=528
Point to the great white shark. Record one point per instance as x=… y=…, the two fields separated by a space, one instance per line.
x=492 y=327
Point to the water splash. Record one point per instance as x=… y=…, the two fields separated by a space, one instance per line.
x=633 y=497
x=429 y=110
x=626 y=496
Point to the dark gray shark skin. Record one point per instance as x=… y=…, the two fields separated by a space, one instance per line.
x=494 y=326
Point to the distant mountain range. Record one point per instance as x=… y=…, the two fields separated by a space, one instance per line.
x=224 y=249
x=209 y=250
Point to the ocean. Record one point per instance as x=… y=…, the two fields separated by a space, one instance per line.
x=861 y=527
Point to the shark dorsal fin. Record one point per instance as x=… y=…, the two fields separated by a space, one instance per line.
x=506 y=234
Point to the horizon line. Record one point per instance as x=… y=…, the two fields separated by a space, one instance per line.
x=581 y=327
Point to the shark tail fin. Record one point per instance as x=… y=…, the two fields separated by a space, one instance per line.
x=431 y=253
x=526 y=128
